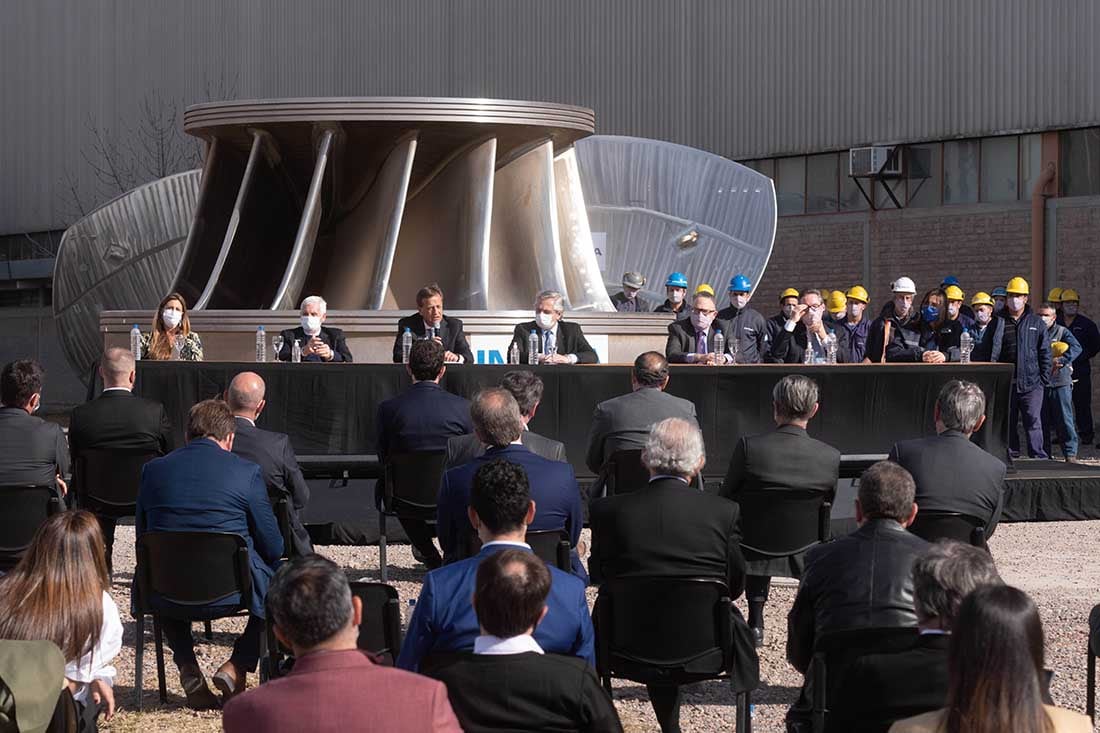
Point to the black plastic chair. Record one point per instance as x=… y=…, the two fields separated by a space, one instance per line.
x=106 y=482
x=784 y=522
x=934 y=525
x=685 y=635
x=835 y=651
x=166 y=563
x=23 y=509
x=281 y=506
x=380 y=631
x=552 y=545
x=623 y=472
x=410 y=490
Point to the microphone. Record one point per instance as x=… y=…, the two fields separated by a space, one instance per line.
x=435 y=329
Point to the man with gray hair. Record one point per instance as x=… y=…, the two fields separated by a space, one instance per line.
x=498 y=424
x=952 y=473
x=881 y=688
x=315 y=614
x=773 y=466
x=318 y=342
x=560 y=342
x=667 y=528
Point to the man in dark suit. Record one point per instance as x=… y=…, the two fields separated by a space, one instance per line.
x=953 y=474
x=272 y=452
x=429 y=322
x=782 y=461
x=203 y=487
x=691 y=340
x=670 y=529
x=498 y=425
x=118 y=420
x=858 y=581
x=318 y=342
x=526 y=387
x=510 y=683
x=623 y=422
x=422 y=418
x=808 y=329
x=333 y=686
x=559 y=342
x=34 y=451
x=443 y=618
x=878 y=689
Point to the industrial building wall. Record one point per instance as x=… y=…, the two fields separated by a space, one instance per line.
x=88 y=84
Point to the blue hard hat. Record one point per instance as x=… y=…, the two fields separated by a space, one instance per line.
x=676 y=280
x=740 y=284
x=949 y=280
x=999 y=291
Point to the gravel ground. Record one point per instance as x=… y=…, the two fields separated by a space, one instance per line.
x=1055 y=562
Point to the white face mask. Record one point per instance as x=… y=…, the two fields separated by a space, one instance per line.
x=855 y=310
x=1015 y=304
x=788 y=311
x=1070 y=309
x=171 y=317
x=953 y=309
x=545 y=321
x=983 y=316
x=739 y=300
x=700 y=321
x=1048 y=320
x=901 y=308
x=676 y=296
x=311 y=325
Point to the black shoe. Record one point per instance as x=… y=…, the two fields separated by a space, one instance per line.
x=433 y=562
x=758 y=636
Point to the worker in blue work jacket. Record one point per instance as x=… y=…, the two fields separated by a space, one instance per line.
x=676 y=287
x=1058 y=396
x=964 y=309
x=988 y=331
x=746 y=322
x=1087 y=334
x=856 y=321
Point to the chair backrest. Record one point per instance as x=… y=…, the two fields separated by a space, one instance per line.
x=380 y=631
x=784 y=522
x=552 y=545
x=685 y=633
x=625 y=472
x=935 y=525
x=22 y=510
x=107 y=481
x=166 y=563
x=280 y=505
x=411 y=483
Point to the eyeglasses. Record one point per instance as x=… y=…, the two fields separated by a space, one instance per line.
x=702 y=312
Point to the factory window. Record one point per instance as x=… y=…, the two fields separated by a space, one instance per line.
x=1080 y=156
x=1031 y=163
x=1000 y=168
x=850 y=197
x=925 y=174
x=821 y=183
x=960 y=171
x=790 y=185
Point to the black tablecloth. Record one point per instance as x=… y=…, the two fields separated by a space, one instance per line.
x=330 y=408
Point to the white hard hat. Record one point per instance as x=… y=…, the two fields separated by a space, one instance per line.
x=903 y=285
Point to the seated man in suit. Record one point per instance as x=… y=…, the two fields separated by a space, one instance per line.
x=807 y=329
x=203 y=487
x=510 y=683
x=272 y=452
x=118 y=420
x=670 y=529
x=443 y=618
x=526 y=387
x=784 y=460
x=318 y=342
x=691 y=340
x=554 y=489
x=429 y=322
x=559 y=342
x=34 y=451
x=422 y=418
x=623 y=422
x=952 y=473
x=316 y=616
x=878 y=689
x=858 y=581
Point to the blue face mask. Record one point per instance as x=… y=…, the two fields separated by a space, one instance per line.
x=930 y=313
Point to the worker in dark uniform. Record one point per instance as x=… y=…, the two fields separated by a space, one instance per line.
x=676 y=287
x=1087 y=334
x=836 y=306
x=987 y=331
x=1025 y=344
x=1054 y=297
x=896 y=333
x=856 y=322
x=964 y=309
x=788 y=302
x=746 y=322
x=956 y=309
x=999 y=296
x=627 y=300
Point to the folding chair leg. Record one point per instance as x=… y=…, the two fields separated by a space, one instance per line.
x=159 y=640
x=607 y=685
x=267 y=661
x=1090 y=683
x=382 y=545
x=209 y=632
x=743 y=722
x=139 y=658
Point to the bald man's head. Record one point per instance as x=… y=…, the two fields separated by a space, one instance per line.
x=117 y=368
x=246 y=395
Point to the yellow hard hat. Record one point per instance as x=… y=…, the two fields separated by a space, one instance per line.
x=954 y=292
x=981 y=298
x=1055 y=295
x=789 y=293
x=704 y=288
x=1070 y=295
x=1059 y=348
x=1018 y=286
x=836 y=302
x=858 y=292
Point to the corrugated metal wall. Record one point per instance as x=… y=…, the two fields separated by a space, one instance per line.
x=737 y=77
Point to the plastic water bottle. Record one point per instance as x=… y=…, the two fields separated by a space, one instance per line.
x=966 y=345
x=533 y=347
x=719 y=346
x=513 y=354
x=830 y=348
x=261 y=345
x=135 y=342
x=406 y=345
x=296 y=352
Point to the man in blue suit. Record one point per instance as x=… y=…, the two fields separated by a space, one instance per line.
x=499 y=424
x=443 y=619
x=422 y=418
x=203 y=487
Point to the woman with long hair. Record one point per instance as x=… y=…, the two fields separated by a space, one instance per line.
x=939 y=335
x=170 y=326
x=58 y=593
x=995 y=666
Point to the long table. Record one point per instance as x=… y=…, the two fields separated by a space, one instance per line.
x=329 y=409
